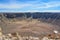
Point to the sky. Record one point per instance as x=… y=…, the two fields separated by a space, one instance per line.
x=29 y=5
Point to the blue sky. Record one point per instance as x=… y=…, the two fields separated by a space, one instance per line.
x=29 y=5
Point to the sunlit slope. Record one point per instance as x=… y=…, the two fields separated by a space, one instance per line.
x=31 y=27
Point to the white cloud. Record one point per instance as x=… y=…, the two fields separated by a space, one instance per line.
x=31 y=11
x=32 y=5
x=47 y=5
x=12 y=6
x=43 y=11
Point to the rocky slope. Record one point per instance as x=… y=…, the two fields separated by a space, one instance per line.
x=34 y=26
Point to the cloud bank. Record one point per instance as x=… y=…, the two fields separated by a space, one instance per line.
x=29 y=6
